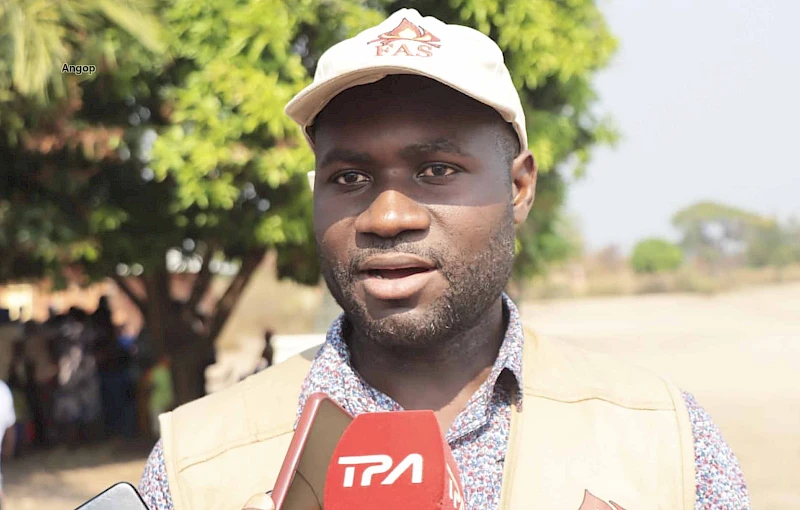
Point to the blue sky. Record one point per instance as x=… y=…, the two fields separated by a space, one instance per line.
x=706 y=95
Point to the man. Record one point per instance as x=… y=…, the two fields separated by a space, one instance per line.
x=7 y=433
x=422 y=175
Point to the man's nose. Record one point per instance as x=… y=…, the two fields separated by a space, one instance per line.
x=392 y=213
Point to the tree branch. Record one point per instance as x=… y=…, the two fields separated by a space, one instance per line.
x=124 y=287
x=202 y=282
x=228 y=300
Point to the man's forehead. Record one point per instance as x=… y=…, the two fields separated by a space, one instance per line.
x=397 y=85
x=421 y=115
x=397 y=94
x=401 y=123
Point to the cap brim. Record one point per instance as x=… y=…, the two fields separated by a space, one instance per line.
x=307 y=104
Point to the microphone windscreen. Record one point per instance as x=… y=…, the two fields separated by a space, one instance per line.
x=393 y=461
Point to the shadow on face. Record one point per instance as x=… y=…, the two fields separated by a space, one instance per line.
x=376 y=137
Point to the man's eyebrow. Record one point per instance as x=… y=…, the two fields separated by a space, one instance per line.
x=411 y=151
x=345 y=155
x=426 y=147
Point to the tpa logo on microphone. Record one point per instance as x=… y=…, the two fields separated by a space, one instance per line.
x=381 y=464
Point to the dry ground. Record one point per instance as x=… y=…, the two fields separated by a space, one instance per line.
x=63 y=479
x=738 y=353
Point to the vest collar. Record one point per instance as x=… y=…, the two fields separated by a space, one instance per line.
x=529 y=348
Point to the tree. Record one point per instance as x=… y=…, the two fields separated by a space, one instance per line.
x=187 y=150
x=656 y=256
x=717 y=233
x=774 y=244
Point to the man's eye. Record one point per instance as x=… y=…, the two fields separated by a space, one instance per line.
x=350 y=178
x=438 y=170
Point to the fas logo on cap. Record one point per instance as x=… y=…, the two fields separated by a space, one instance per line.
x=401 y=40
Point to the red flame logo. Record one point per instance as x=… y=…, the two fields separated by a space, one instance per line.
x=407 y=31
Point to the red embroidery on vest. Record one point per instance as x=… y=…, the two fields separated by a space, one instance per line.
x=592 y=502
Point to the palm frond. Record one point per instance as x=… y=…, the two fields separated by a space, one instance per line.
x=36 y=36
x=39 y=49
x=144 y=27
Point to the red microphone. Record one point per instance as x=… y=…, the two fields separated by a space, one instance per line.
x=393 y=460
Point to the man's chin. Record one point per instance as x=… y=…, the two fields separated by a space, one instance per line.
x=413 y=330
x=396 y=310
x=405 y=341
x=413 y=323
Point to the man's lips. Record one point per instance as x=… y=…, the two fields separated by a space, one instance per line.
x=395 y=262
x=390 y=274
x=399 y=276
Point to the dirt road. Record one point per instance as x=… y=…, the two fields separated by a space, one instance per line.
x=738 y=353
x=63 y=479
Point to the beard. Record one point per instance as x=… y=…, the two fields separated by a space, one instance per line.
x=475 y=282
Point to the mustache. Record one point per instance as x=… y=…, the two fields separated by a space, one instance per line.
x=358 y=258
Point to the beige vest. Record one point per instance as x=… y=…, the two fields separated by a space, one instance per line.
x=587 y=423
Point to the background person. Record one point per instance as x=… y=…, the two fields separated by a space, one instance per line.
x=7 y=432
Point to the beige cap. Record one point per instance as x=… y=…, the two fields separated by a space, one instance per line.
x=408 y=43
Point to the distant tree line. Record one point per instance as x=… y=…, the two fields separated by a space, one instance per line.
x=719 y=236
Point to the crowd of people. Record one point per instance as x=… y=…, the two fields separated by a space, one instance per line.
x=78 y=377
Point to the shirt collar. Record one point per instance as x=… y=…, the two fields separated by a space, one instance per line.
x=332 y=374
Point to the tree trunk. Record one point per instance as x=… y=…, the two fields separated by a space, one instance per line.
x=171 y=325
x=156 y=309
x=172 y=335
x=188 y=368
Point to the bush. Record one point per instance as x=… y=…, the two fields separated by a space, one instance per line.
x=656 y=256
x=698 y=283
x=655 y=284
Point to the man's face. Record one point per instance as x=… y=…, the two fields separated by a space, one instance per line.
x=413 y=211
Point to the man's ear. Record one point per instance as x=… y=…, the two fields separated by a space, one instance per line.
x=523 y=179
